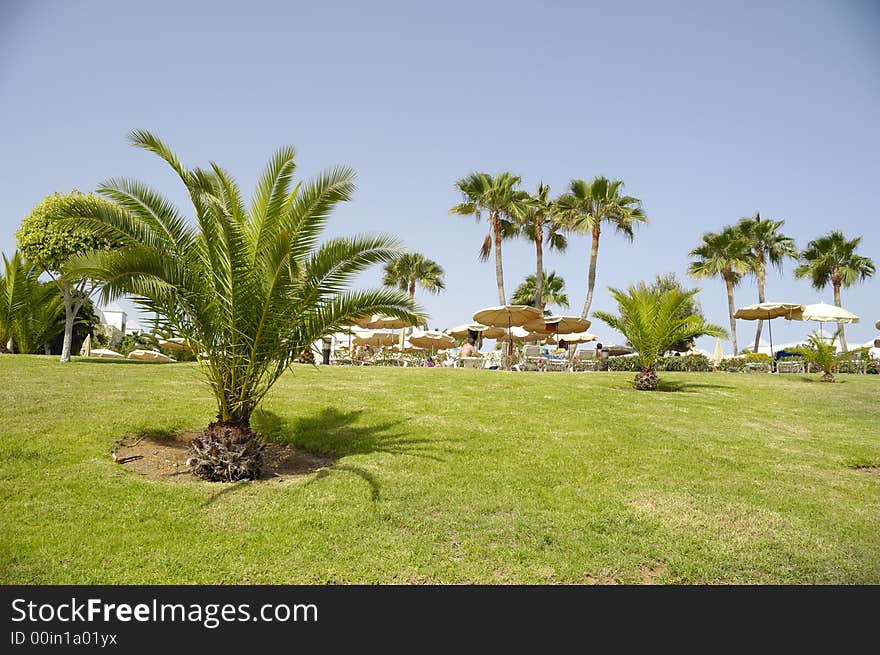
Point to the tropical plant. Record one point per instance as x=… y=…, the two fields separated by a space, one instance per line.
x=553 y=292
x=723 y=254
x=505 y=205
x=411 y=269
x=822 y=354
x=49 y=244
x=587 y=206
x=31 y=312
x=766 y=246
x=832 y=259
x=665 y=282
x=651 y=321
x=248 y=287
x=541 y=224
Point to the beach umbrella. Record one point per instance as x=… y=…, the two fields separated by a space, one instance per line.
x=507 y=316
x=615 y=350
x=519 y=334
x=432 y=340
x=823 y=312
x=86 y=350
x=175 y=343
x=767 y=311
x=374 y=338
x=150 y=356
x=462 y=331
x=558 y=324
x=718 y=353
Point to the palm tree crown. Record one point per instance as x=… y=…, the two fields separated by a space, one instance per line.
x=249 y=287
x=588 y=205
x=832 y=259
x=726 y=255
x=505 y=205
x=411 y=269
x=552 y=293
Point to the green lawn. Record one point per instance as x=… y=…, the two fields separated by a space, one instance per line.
x=449 y=476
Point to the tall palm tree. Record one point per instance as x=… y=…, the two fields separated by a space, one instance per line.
x=587 y=206
x=832 y=259
x=251 y=287
x=767 y=246
x=726 y=255
x=505 y=205
x=552 y=293
x=540 y=223
x=411 y=269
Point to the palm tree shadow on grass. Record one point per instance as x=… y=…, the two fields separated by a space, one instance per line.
x=673 y=386
x=336 y=433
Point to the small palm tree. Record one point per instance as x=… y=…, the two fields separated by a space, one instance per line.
x=541 y=224
x=505 y=205
x=832 y=259
x=822 y=355
x=250 y=287
x=652 y=321
x=411 y=269
x=588 y=206
x=31 y=312
x=553 y=292
x=766 y=246
x=723 y=254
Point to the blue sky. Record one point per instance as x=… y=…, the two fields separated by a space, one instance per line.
x=707 y=111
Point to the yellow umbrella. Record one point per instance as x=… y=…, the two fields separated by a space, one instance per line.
x=507 y=316
x=374 y=338
x=432 y=340
x=824 y=313
x=86 y=350
x=574 y=337
x=718 y=353
x=767 y=311
x=386 y=323
x=518 y=334
x=558 y=324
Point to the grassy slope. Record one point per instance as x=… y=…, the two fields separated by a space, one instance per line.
x=448 y=476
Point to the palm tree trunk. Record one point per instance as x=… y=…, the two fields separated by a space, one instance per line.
x=68 y=322
x=539 y=271
x=499 y=268
x=729 y=283
x=412 y=291
x=761 y=276
x=840 y=325
x=591 y=277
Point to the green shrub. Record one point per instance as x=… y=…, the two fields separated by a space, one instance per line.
x=621 y=363
x=733 y=364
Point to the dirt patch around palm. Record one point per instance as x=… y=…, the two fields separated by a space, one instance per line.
x=163 y=457
x=868 y=468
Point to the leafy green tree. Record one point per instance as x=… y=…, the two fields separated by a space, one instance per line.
x=250 y=287
x=821 y=354
x=553 y=292
x=48 y=242
x=652 y=321
x=587 y=206
x=411 y=269
x=723 y=254
x=31 y=312
x=505 y=205
x=832 y=259
x=766 y=246
x=541 y=224
x=667 y=282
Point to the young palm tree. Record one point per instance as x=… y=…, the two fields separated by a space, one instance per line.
x=723 y=254
x=822 y=355
x=588 y=206
x=766 y=246
x=31 y=312
x=552 y=293
x=652 y=321
x=412 y=268
x=250 y=287
x=505 y=206
x=540 y=223
x=832 y=259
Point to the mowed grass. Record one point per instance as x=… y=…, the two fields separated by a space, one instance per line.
x=448 y=476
